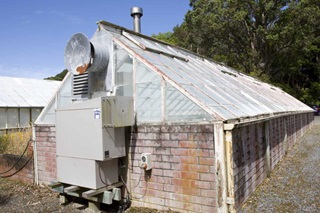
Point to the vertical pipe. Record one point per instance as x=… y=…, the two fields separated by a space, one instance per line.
x=136 y=13
x=35 y=155
x=267 y=142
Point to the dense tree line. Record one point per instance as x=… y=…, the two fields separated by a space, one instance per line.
x=277 y=41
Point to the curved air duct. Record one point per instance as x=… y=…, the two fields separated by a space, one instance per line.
x=81 y=55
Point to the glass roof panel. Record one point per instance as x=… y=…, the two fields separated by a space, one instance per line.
x=217 y=88
x=180 y=108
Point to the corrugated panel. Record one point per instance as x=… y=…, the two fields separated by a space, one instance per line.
x=23 y=92
x=219 y=88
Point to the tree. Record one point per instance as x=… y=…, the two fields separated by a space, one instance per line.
x=167 y=37
x=274 y=40
x=297 y=66
x=58 y=77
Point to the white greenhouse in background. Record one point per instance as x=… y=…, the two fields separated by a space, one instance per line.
x=22 y=100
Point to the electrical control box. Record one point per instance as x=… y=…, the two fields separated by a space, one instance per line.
x=146 y=161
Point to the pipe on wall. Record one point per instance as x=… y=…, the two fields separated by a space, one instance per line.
x=35 y=155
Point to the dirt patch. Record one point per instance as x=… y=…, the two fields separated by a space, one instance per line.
x=19 y=197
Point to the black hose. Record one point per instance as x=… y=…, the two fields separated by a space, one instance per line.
x=1 y=173
x=6 y=176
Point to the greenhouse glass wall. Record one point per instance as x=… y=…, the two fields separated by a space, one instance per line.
x=213 y=132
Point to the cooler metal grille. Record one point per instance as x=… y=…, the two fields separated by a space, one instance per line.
x=80 y=84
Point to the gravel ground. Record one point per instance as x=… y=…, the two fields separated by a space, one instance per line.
x=292 y=187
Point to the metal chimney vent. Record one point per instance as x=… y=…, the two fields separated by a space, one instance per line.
x=136 y=13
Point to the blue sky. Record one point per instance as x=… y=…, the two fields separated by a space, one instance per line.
x=33 y=33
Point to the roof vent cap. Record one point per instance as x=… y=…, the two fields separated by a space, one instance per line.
x=136 y=13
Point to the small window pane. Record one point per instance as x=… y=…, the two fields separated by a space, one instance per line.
x=64 y=95
x=148 y=95
x=13 y=117
x=3 y=118
x=47 y=116
x=123 y=72
x=35 y=113
x=63 y=98
x=24 y=117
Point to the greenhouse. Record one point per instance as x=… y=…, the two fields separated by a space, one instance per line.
x=212 y=133
x=172 y=85
x=21 y=100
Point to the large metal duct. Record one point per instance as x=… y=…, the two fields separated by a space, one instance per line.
x=82 y=55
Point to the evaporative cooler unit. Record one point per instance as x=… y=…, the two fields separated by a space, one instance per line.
x=90 y=133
